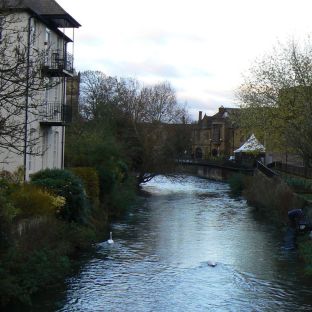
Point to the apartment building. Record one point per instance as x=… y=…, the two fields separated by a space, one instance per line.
x=37 y=35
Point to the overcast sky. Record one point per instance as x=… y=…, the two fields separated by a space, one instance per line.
x=202 y=47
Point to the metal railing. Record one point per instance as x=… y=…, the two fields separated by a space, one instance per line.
x=265 y=170
x=219 y=164
x=59 y=60
x=292 y=169
x=55 y=112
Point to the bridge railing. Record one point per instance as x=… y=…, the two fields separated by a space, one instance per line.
x=226 y=164
x=265 y=170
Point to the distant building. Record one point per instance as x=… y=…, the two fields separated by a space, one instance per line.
x=217 y=135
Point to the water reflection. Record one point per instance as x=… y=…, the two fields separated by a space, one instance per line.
x=159 y=259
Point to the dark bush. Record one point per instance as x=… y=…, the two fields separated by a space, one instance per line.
x=122 y=195
x=91 y=182
x=271 y=196
x=33 y=201
x=66 y=184
x=236 y=182
x=106 y=181
x=8 y=213
x=41 y=256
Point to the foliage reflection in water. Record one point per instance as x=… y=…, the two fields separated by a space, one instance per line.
x=158 y=261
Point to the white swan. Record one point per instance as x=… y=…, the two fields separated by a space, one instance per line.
x=110 y=241
x=211 y=263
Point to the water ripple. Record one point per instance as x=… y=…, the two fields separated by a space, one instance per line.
x=158 y=262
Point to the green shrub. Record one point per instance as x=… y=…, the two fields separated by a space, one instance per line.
x=31 y=200
x=106 y=181
x=91 y=182
x=116 y=173
x=271 y=196
x=121 y=171
x=236 y=182
x=121 y=196
x=299 y=184
x=66 y=184
x=8 y=212
x=16 y=177
x=305 y=251
x=40 y=256
x=22 y=277
x=7 y=209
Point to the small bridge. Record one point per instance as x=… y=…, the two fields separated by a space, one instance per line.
x=217 y=170
x=222 y=170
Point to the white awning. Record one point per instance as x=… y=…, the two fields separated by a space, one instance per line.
x=251 y=145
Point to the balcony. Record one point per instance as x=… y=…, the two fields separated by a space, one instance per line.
x=58 y=63
x=55 y=114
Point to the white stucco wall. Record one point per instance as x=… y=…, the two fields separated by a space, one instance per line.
x=49 y=139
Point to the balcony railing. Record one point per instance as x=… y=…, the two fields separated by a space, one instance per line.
x=57 y=62
x=55 y=114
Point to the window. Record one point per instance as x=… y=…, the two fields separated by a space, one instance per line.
x=33 y=31
x=47 y=44
x=47 y=37
x=216 y=133
x=55 y=149
x=45 y=148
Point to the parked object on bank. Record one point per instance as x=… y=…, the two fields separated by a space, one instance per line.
x=299 y=221
x=110 y=240
x=232 y=158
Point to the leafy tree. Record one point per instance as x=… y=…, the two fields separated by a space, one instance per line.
x=276 y=99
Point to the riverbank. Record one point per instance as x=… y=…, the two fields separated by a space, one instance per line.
x=273 y=197
x=42 y=257
x=159 y=259
x=46 y=225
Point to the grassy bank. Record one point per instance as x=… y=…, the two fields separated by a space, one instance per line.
x=46 y=223
x=42 y=255
x=274 y=197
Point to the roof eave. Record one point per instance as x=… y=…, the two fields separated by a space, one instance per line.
x=62 y=20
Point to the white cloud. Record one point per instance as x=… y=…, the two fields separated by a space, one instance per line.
x=201 y=46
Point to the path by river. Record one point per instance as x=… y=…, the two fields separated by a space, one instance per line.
x=159 y=259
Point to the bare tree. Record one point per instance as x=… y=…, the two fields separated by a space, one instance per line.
x=98 y=94
x=161 y=104
x=140 y=115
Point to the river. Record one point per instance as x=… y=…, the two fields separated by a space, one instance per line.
x=158 y=261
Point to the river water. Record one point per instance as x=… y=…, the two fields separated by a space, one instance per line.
x=158 y=261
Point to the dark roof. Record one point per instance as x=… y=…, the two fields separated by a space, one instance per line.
x=207 y=121
x=222 y=110
x=50 y=10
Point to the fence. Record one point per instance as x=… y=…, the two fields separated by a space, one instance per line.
x=291 y=169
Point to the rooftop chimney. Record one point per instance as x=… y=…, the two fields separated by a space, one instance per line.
x=200 y=115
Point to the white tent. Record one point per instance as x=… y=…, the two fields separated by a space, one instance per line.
x=250 y=146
